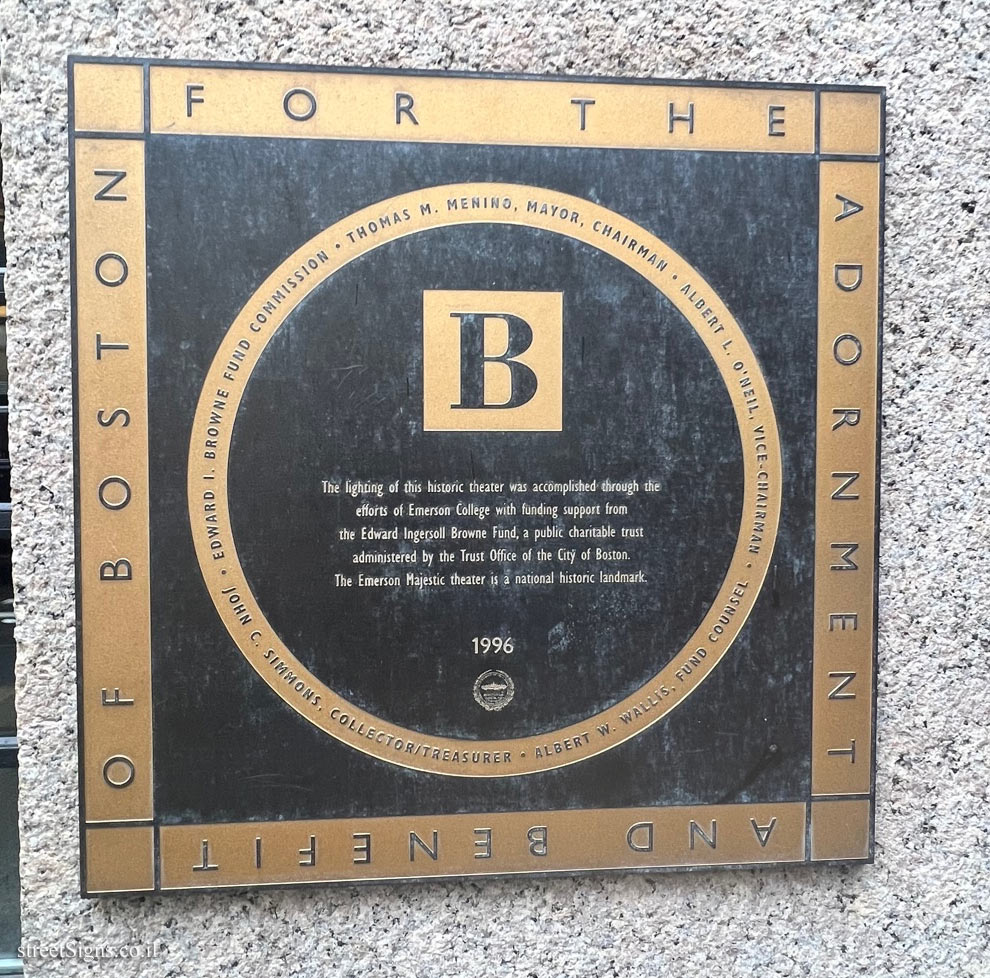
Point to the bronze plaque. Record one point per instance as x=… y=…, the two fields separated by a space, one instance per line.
x=476 y=474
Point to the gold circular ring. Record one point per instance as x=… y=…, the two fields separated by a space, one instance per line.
x=245 y=341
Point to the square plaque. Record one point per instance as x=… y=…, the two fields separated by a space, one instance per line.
x=475 y=475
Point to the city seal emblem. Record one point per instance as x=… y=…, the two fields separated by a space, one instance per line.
x=494 y=689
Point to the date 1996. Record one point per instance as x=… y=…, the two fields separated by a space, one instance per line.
x=493 y=644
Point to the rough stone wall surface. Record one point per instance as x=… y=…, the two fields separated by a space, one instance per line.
x=924 y=907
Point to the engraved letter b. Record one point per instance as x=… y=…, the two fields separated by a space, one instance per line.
x=522 y=379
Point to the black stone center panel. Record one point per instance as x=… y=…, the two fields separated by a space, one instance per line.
x=338 y=395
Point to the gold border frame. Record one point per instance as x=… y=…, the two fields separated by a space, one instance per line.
x=489 y=844
x=846 y=486
x=296 y=103
x=110 y=109
x=113 y=551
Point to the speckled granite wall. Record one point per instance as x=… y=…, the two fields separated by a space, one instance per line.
x=924 y=908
